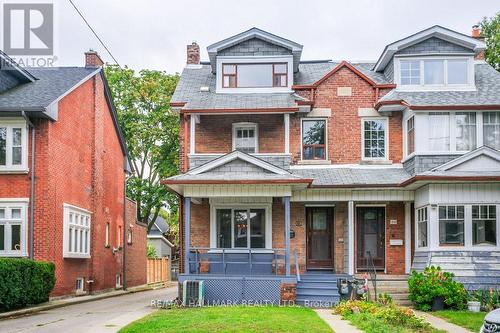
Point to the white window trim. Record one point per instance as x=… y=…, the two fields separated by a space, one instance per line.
x=386 y=143
x=213 y=225
x=246 y=125
x=470 y=85
x=67 y=208
x=481 y=219
x=254 y=60
x=23 y=205
x=417 y=238
x=302 y=144
x=8 y=167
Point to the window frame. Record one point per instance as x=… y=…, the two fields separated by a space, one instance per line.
x=386 y=139
x=487 y=218
x=10 y=124
x=235 y=75
x=302 y=138
x=23 y=222
x=268 y=226
x=407 y=135
x=480 y=128
x=246 y=125
x=469 y=85
x=418 y=221
x=464 y=224
x=71 y=209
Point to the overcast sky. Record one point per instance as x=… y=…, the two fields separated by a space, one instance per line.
x=153 y=34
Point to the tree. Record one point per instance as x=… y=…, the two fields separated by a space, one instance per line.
x=151 y=131
x=490 y=30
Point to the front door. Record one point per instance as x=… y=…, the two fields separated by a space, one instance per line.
x=319 y=237
x=370 y=231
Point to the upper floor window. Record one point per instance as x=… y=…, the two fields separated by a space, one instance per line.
x=465 y=131
x=13 y=145
x=258 y=75
x=434 y=72
x=410 y=135
x=439 y=131
x=491 y=129
x=313 y=139
x=245 y=137
x=374 y=138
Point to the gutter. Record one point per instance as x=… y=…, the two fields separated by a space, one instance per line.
x=32 y=188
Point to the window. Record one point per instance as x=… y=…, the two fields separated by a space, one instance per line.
x=258 y=75
x=119 y=237
x=410 y=72
x=410 y=135
x=13 y=229
x=245 y=137
x=457 y=71
x=241 y=228
x=129 y=236
x=77 y=224
x=491 y=129
x=422 y=227
x=313 y=139
x=451 y=225
x=79 y=285
x=374 y=139
x=118 y=281
x=106 y=238
x=484 y=220
x=465 y=131
x=433 y=72
x=439 y=131
x=12 y=145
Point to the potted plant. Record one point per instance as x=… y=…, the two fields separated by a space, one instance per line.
x=474 y=304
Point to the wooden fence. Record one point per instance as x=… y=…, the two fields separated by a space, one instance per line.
x=158 y=270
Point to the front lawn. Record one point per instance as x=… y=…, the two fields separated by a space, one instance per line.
x=368 y=323
x=469 y=320
x=231 y=319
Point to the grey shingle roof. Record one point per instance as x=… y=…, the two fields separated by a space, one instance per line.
x=487 y=92
x=39 y=94
x=311 y=72
x=229 y=176
x=366 y=68
x=159 y=227
x=353 y=176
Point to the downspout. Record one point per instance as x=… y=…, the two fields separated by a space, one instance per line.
x=32 y=187
x=125 y=243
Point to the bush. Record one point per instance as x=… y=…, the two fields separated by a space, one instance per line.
x=25 y=282
x=433 y=282
x=489 y=298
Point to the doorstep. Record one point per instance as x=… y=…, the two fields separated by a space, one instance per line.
x=58 y=303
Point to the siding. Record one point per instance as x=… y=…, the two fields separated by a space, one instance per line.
x=434 y=45
x=457 y=194
x=254 y=47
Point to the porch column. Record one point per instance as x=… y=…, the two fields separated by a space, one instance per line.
x=187 y=233
x=286 y=123
x=287 y=235
x=408 y=213
x=350 y=229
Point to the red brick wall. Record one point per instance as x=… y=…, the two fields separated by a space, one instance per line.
x=395 y=255
x=136 y=253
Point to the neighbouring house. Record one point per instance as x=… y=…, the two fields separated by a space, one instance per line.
x=296 y=172
x=157 y=237
x=136 y=258
x=63 y=164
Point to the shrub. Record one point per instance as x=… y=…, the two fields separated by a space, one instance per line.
x=489 y=298
x=25 y=282
x=432 y=283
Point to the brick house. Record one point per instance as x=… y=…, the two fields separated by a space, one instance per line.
x=63 y=163
x=296 y=173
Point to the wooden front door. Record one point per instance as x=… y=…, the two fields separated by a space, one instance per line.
x=319 y=231
x=370 y=230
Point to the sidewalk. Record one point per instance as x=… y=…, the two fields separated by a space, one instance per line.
x=335 y=321
x=441 y=324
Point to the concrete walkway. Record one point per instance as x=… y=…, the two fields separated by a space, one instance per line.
x=441 y=324
x=335 y=321
x=104 y=315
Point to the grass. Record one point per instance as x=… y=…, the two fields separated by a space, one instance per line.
x=230 y=319
x=469 y=320
x=370 y=324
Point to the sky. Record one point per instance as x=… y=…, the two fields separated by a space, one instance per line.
x=153 y=34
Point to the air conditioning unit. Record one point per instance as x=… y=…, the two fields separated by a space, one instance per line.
x=193 y=293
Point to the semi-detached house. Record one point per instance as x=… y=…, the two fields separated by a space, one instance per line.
x=296 y=170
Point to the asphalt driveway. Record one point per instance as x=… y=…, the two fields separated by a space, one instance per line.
x=106 y=315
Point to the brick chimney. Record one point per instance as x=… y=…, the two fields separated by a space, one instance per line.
x=193 y=54
x=476 y=33
x=92 y=59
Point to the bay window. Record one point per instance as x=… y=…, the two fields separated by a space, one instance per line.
x=410 y=135
x=241 y=228
x=375 y=138
x=13 y=145
x=76 y=236
x=439 y=131
x=491 y=129
x=422 y=220
x=465 y=131
x=451 y=225
x=313 y=139
x=13 y=220
x=254 y=75
x=245 y=137
x=484 y=223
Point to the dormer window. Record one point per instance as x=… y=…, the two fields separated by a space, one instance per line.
x=435 y=73
x=259 y=75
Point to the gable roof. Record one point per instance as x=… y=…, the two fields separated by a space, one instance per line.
x=476 y=154
x=435 y=31
x=7 y=63
x=294 y=47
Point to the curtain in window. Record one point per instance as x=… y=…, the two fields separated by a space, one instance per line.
x=465 y=132
x=439 y=131
x=491 y=129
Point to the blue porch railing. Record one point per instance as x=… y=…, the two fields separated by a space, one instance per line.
x=206 y=260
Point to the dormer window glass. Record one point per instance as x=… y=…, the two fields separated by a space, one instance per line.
x=410 y=72
x=457 y=71
x=258 y=75
x=433 y=72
